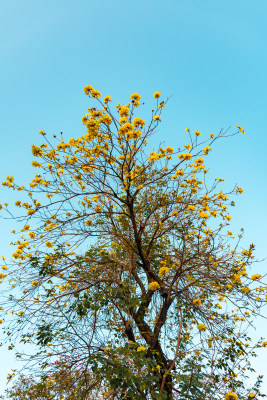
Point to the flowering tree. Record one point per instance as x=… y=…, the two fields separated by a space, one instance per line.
x=124 y=268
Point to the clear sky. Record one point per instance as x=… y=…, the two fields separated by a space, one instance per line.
x=210 y=55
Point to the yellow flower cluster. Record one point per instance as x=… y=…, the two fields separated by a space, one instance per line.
x=136 y=97
x=201 y=327
x=163 y=271
x=185 y=156
x=206 y=149
x=107 y=99
x=141 y=348
x=156 y=95
x=153 y=286
x=197 y=302
x=230 y=396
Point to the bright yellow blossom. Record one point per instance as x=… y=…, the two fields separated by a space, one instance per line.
x=157 y=95
x=153 y=286
x=230 y=396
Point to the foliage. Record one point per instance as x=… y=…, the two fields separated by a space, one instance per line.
x=124 y=269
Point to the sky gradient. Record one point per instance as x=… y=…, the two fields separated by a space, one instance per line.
x=209 y=56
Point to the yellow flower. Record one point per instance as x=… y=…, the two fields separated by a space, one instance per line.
x=123 y=120
x=256 y=276
x=95 y=93
x=185 y=156
x=156 y=95
x=245 y=289
x=158 y=367
x=230 y=396
x=141 y=348
x=41 y=132
x=203 y=215
x=107 y=99
x=98 y=208
x=157 y=118
x=106 y=119
x=191 y=207
x=2 y=275
x=88 y=222
x=206 y=149
x=201 y=327
x=251 y=395
x=138 y=122
x=197 y=302
x=87 y=89
x=163 y=270
x=4 y=267
x=32 y=234
x=153 y=286
x=35 y=283
x=21 y=313
x=124 y=111
x=135 y=96
x=187 y=129
x=49 y=244
x=31 y=212
x=197 y=133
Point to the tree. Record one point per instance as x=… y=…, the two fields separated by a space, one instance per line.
x=125 y=271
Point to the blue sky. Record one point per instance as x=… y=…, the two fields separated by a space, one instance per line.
x=210 y=55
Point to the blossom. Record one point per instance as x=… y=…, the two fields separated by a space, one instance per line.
x=32 y=234
x=141 y=348
x=41 y=132
x=135 y=96
x=153 y=286
x=95 y=93
x=35 y=283
x=157 y=118
x=138 y=122
x=123 y=120
x=156 y=95
x=185 y=156
x=106 y=119
x=206 y=149
x=21 y=313
x=124 y=111
x=197 y=133
x=191 y=207
x=30 y=211
x=256 y=276
x=87 y=89
x=197 y=302
x=201 y=327
x=245 y=289
x=230 y=396
x=163 y=270
x=251 y=395
x=2 y=275
x=203 y=215
x=107 y=99
x=48 y=244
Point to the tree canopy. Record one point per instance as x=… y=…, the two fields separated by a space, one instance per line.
x=125 y=276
